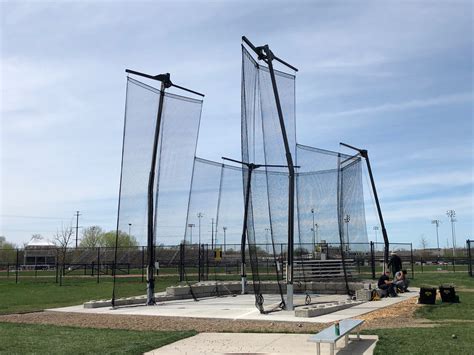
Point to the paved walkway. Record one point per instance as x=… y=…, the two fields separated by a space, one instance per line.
x=243 y=307
x=245 y=343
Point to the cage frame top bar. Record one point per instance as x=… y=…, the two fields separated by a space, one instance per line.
x=165 y=79
x=264 y=53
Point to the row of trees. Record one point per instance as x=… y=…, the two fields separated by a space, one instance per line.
x=95 y=236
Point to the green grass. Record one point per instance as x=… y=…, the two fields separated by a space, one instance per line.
x=435 y=279
x=34 y=294
x=49 y=339
x=447 y=311
x=437 y=340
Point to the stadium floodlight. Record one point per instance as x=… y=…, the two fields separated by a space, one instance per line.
x=437 y=222
x=199 y=216
x=376 y=228
x=267 y=56
x=365 y=154
x=452 y=217
x=191 y=226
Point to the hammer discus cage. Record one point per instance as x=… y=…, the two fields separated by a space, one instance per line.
x=274 y=219
x=159 y=144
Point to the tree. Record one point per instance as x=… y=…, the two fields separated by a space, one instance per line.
x=92 y=237
x=7 y=250
x=423 y=245
x=62 y=239
x=124 y=240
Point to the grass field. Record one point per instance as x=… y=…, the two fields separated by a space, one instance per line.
x=48 y=339
x=36 y=294
x=457 y=319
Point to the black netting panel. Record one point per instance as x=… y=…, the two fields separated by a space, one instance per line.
x=175 y=157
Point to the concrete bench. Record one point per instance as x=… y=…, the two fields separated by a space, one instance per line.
x=328 y=335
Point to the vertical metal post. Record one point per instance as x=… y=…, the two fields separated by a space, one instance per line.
x=243 y=272
x=181 y=262
x=372 y=259
x=468 y=245
x=77 y=227
x=98 y=264
x=291 y=187
x=151 y=185
x=412 y=261
x=143 y=264
x=17 y=265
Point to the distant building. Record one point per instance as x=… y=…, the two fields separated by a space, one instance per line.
x=40 y=253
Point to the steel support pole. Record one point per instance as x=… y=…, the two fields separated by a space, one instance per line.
x=365 y=154
x=291 y=187
x=243 y=272
x=151 y=185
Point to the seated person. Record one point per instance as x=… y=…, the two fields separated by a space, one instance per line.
x=401 y=281
x=385 y=284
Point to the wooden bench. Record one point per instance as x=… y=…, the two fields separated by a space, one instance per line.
x=328 y=335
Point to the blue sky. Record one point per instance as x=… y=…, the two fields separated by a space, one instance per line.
x=395 y=78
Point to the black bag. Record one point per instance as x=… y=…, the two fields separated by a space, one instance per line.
x=427 y=295
x=448 y=294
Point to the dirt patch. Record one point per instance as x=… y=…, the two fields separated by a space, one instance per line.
x=160 y=323
x=399 y=315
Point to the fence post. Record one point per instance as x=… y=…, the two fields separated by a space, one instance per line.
x=98 y=264
x=200 y=271
x=181 y=259
x=468 y=245
x=412 y=262
x=17 y=265
x=372 y=259
x=143 y=264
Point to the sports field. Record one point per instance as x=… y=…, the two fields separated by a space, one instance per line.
x=408 y=325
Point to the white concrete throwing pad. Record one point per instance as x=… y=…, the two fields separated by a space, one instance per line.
x=242 y=307
x=262 y=343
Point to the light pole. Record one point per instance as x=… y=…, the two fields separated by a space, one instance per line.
x=129 y=229
x=436 y=222
x=267 y=232
x=347 y=219
x=224 y=229
x=200 y=215
x=191 y=226
x=452 y=214
x=376 y=228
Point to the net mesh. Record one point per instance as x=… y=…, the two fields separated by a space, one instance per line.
x=326 y=191
x=176 y=148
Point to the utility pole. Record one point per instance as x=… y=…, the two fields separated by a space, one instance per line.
x=224 y=229
x=129 y=229
x=199 y=216
x=77 y=227
x=452 y=214
x=436 y=222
